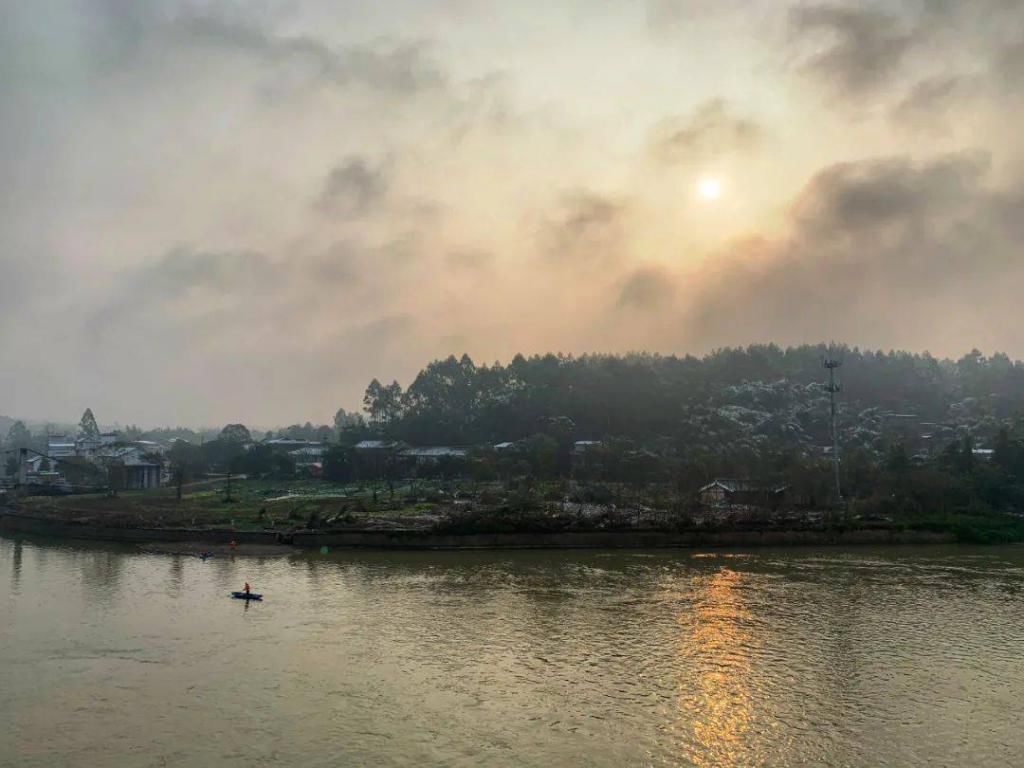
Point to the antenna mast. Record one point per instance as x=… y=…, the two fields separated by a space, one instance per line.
x=831 y=364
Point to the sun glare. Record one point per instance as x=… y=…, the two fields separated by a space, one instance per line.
x=709 y=188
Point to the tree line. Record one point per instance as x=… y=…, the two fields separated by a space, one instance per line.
x=724 y=397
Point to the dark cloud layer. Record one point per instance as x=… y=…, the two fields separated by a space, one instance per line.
x=670 y=15
x=587 y=229
x=928 y=104
x=1009 y=65
x=710 y=131
x=144 y=292
x=403 y=68
x=861 y=199
x=354 y=187
x=647 y=288
x=886 y=251
x=855 y=49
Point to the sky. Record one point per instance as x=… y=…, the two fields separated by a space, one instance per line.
x=244 y=211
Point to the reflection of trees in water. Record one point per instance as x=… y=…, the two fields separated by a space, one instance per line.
x=315 y=572
x=41 y=556
x=101 y=572
x=16 y=565
x=225 y=567
x=176 y=575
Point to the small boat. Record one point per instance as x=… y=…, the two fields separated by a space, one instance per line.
x=247 y=596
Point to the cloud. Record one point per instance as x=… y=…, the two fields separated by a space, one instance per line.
x=402 y=68
x=711 y=131
x=338 y=264
x=377 y=336
x=183 y=269
x=587 y=228
x=859 y=199
x=354 y=188
x=883 y=251
x=985 y=16
x=927 y=105
x=472 y=260
x=670 y=15
x=647 y=288
x=204 y=278
x=1009 y=65
x=424 y=183
x=383 y=329
x=856 y=49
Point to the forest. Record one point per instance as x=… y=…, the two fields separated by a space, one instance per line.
x=918 y=435
x=762 y=396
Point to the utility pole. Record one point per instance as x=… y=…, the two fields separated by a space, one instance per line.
x=831 y=364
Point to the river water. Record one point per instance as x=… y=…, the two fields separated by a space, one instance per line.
x=798 y=657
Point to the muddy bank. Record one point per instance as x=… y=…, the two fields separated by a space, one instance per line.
x=92 y=529
x=195 y=540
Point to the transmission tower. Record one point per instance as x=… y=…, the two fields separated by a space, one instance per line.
x=831 y=363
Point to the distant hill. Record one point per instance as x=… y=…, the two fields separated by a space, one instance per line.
x=750 y=399
x=5 y=424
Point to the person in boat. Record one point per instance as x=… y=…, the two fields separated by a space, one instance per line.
x=247 y=591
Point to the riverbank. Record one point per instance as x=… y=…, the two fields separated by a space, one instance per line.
x=213 y=549
x=312 y=515
x=264 y=542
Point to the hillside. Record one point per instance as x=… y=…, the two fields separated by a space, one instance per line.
x=757 y=398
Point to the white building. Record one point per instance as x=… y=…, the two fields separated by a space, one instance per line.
x=60 y=446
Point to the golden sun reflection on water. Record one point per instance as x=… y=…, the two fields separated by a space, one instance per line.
x=715 y=702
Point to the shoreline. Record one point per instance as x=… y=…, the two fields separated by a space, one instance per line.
x=199 y=548
x=195 y=540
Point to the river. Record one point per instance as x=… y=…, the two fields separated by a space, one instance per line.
x=798 y=657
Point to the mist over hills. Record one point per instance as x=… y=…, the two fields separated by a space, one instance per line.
x=738 y=398
x=762 y=397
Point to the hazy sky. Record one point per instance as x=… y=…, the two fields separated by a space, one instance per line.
x=224 y=211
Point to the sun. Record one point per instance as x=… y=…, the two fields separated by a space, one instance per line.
x=709 y=188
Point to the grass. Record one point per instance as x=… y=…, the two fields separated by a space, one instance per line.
x=992 y=528
x=288 y=504
x=255 y=504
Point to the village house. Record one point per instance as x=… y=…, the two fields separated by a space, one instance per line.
x=727 y=491
x=374 y=446
x=141 y=470
x=309 y=458
x=583 y=453
x=36 y=464
x=51 y=479
x=289 y=443
x=60 y=446
x=375 y=457
x=431 y=456
x=89 y=445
